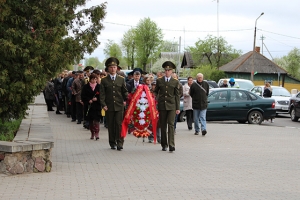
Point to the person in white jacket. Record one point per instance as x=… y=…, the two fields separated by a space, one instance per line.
x=187 y=103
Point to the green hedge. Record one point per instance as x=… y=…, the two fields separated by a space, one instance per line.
x=9 y=129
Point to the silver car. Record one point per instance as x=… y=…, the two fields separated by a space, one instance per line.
x=280 y=94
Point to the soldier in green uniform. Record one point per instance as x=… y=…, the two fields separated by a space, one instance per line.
x=167 y=93
x=113 y=95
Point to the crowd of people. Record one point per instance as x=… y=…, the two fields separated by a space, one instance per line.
x=92 y=97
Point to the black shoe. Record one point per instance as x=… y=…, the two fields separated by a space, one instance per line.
x=68 y=116
x=190 y=129
x=171 y=149
x=150 y=141
x=73 y=120
x=196 y=133
x=97 y=138
x=79 y=122
x=112 y=147
x=164 y=149
x=204 y=132
x=119 y=148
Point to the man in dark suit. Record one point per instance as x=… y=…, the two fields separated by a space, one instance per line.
x=167 y=93
x=113 y=95
x=135 y=82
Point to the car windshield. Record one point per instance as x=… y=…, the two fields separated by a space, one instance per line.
x=280 y=92
x=245 y=85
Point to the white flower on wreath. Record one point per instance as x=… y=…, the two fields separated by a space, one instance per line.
x=142 y=115
x=143 y=108
x=143 y=94
x=142 y=121
x=143 y=101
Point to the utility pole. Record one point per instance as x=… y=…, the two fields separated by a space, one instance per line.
x=262 y=44
x=179 y=46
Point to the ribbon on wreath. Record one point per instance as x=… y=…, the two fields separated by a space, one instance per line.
x=132 y=106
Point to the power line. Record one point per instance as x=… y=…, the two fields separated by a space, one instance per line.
x=198 y=31
x=280 y=34
x=176 y=30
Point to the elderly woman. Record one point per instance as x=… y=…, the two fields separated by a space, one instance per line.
x=90 y=96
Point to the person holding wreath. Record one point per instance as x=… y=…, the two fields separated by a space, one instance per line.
x=167 y=93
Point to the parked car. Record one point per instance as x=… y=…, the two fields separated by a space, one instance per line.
x=241 y=83
x=294 y=107
x=280 y=94
x=239 y=104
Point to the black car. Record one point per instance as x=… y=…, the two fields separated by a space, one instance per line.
x=294 y=107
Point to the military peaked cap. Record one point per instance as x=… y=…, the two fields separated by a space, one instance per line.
x=88 y=68
x=168 y=65
x=111 y=61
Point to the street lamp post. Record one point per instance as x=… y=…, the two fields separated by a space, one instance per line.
x=252 y=71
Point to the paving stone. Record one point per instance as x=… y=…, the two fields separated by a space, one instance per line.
x=232 y=162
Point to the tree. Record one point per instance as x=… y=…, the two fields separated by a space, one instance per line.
x=148 y=37
x=94 y=62
x=213 y=51
x=128 y=46
x=168 y=46
x=157 y=66
x=112 y=49
x=291 y=62
x=39 y=39
x=208 y=72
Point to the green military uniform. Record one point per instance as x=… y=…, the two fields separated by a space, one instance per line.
x=167 y=92
x=113 y=93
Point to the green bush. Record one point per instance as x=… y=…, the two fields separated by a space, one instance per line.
x=216 y=75
x=9 y=129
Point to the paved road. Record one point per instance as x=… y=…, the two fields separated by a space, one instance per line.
x=233 y=161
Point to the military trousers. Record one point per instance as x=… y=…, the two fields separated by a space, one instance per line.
x=114 y=122
x=166 y=119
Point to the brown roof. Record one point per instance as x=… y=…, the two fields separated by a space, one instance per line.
x=245 y=62
x=187 y=61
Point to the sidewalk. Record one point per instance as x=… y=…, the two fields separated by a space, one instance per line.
x=233 y=161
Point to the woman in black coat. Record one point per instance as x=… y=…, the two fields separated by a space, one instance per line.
x=90 y=95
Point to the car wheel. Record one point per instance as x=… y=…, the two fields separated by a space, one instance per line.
x=181 y=117
x=293 y=115
x=242 y=121
x=255 y=117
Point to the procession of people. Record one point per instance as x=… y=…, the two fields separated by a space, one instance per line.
x=140 y=104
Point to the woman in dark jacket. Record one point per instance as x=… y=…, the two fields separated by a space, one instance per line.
x=90 y=96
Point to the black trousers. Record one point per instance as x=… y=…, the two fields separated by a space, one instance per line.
x=189 y=119
x=79 y=111
x=49 y=104
x=73 y=108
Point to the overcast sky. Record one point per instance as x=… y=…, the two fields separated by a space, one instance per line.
x=194 y=19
